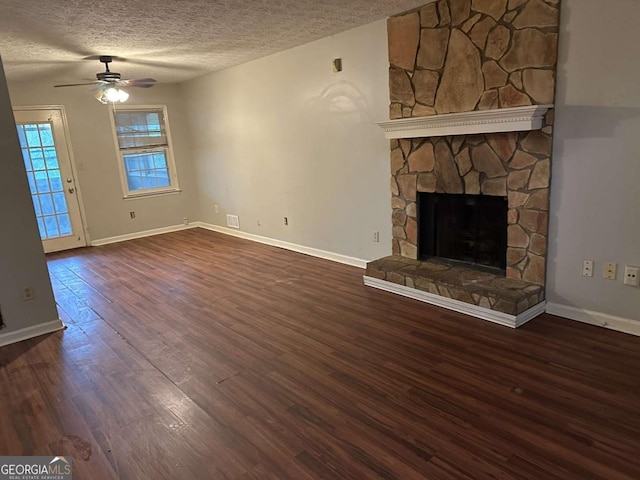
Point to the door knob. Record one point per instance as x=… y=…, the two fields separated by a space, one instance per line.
x=71 y=190
x=69 y=180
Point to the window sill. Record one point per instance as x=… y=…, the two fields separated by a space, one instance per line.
x=137 y=196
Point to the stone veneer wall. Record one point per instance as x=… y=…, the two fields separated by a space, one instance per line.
x=465 y=55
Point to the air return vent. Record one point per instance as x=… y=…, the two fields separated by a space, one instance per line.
x=233 y=221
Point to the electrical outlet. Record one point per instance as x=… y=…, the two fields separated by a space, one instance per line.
x=609 y=271
x=286 y=221
x=587 y=268
x=185 y=220
x=216 y=209
x=376 y=236
x=631 y=277
x=27 y=293
x=132 y=214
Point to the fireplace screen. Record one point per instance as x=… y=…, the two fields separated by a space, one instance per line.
x=466 y=228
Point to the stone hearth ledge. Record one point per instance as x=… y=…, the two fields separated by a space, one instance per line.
x=463 y=289
x=516 y=119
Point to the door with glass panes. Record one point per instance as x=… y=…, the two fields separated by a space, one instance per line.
x=45 y=152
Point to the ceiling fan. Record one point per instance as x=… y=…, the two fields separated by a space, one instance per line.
x=108 y=83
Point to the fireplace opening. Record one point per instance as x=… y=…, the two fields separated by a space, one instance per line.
x=465 y=228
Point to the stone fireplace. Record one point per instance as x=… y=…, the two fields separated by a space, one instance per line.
x=471 y=83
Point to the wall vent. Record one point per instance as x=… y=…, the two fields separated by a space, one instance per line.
x=233 y=221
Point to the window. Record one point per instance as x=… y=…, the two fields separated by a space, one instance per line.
x=144 y=148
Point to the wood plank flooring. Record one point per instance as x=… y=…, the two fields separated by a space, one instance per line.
x=194 y=355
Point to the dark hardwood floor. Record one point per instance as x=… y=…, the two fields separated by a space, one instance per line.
x=195 y=355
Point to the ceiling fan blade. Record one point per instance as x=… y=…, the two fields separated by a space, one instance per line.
x=78 y=84
x=138 y=82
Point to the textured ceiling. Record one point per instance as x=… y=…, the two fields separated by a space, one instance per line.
x=171 y=41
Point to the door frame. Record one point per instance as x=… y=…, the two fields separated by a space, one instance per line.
x=72 y=161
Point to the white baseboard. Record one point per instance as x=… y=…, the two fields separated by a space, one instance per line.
x=145 y=233
x=314 y=252
x=30 y=332
x=513 y=321
x=620 y=324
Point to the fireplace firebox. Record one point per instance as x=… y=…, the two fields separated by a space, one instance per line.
x=465 y=228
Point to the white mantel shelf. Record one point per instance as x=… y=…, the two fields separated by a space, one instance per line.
x=515 y=119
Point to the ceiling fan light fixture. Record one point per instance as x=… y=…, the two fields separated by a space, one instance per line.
x=117 y=95
x=112 y=95
x=108 y=84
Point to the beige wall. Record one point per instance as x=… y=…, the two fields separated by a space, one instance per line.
x=595 y=185
x=22 y=261
x=93 y=146
x=284 y=136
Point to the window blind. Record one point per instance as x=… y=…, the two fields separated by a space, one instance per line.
x=140 y=129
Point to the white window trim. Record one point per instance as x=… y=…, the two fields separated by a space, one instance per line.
x=171 y=164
